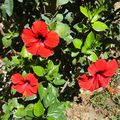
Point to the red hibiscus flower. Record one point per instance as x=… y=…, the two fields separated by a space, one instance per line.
x=101 y=71
x=27 y=86
x=38 y=40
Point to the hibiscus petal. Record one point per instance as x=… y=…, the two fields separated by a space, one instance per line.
x=18 y=88
x=52 y=39
x=93 y=83
x=27 y=93
x=103 y=81
x=32 y=79
x=33 y=48
x=39 y=28
x=101 y=65
x=34 y=89
x=84 y=82
x=92 y=69
x=112 y=66
x=43 y=51
x=17 y=79
x=28 y=36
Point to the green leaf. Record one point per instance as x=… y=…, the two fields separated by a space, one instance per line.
x=58 y=80
x=56 y=111
x=78 y=27
x=100 y=9
x=74 y=54
x=20 y=1
x=25 y=53
x=85 y=11
x=62 y=29
x=52 y=70
x=24 y=73
x=49 y=100
x=38 y=109
x=9 y=7
x=51 y=118
x=59 y=17
x=30 y=98
x=51 y=97
x=15 y=60
x=89 y=40
x=42 y=91
x=99 y=26
x=77 y=43
x=95 y=18
x=93 y=57
x=89 y=43
x=74 y=61
x=61 y=2
x=5 y=116
x=15 y=34
x=81 y=28
x=52 y=90
x=20 y=112
x=69 y=17
x=7 y=41
x=50 y=65
x=29 y=110
x=38 y=70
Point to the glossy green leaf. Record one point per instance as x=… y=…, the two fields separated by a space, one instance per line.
x=59 y=17
x=6 y=116
x=51 y=97
x=38 y=109
x=50 y=118
x=61 y=2
x=99 y=26
x=7 y=41
x=78 y=27
x=24 y=73
x=20 y=1
x=90 y=40
x=89 y=43
x=56 y=111
x=74 y=54
x=77 y=43
x=20 y=112
x=52 y=90
x=15 y=34
x=58 y=80
x=25 y=53
x=69 y=17
x=62 y=29
x=42 y=91
x=31 y=97
x=52 y=70
x=81 y=28
x=9 y=4
x=15 y=60
x=85 y=11
x=38 y=70
x=29 y=110
x=50 y=65
x=49 y=100
x=92 y=56
x=84 y=49
x=95 y=18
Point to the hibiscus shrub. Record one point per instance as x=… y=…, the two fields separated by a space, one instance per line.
x=51 y=50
